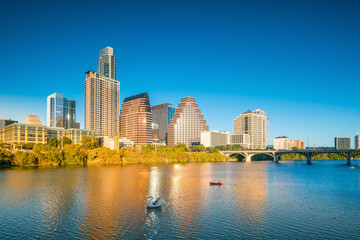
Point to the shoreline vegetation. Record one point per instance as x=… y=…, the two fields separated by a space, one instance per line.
x=90 y=153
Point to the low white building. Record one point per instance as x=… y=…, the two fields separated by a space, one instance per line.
x=110 y=142
x=282 y=143
x=216 y=138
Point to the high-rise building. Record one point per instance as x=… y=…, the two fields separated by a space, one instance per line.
x=102 y=96
x=342 y=143
x=60 y=111
x=357 y=141
x=161 y=115
x=282 y=143
x=253 y=123
x=136 y=119
x=187 y=124
x=6 y=121
x=298 y=144
x=106 y=63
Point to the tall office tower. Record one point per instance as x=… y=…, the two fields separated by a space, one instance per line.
x=342 y=143
x=106 y=63
x=187 y=123
x=102 y=96
x=357 y=141
x=136 y=119
x=60 y=111
x=255 y=124
x=161 y=115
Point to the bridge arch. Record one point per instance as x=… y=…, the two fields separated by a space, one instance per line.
x=271 y=155
x=241 y=157
x=278 y=155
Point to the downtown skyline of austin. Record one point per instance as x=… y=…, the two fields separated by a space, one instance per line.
x=249 y=59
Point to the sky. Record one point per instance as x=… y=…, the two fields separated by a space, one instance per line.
x=299 y=61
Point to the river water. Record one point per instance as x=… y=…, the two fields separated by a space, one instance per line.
x=259 y=200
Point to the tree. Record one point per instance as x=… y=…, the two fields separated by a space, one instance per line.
x=89 y=143
x=53 y=142
x=66 y=140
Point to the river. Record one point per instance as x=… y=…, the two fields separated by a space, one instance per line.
x=259 y=200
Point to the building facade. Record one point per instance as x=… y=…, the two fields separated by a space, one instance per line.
x=20 y=133
x=342 y=143
x=187 y=124
x=282 y=143
x=6 y=121
x=298 y=144
x=136 y=119
x=216 y=138
x=60 y=111
x=357 y=141
x=161 y=115
x=253 y=123
x=102 y=96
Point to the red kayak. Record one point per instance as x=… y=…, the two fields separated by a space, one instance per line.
x=216 y=183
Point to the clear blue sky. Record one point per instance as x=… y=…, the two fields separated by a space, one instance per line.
x=297 y=60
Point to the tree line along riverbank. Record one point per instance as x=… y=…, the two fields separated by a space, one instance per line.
x=89 y=152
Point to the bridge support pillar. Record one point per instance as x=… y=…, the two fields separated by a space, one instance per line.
x=276 y=159
x=308 y=159
x=248 y=158
x=348 y=160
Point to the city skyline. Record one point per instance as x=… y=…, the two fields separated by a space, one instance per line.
x=307 y=87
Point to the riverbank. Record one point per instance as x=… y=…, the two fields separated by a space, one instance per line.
x=44 y=155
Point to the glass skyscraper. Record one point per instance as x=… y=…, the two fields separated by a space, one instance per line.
x=60 y=111
x=106 y=63
x=161 y=115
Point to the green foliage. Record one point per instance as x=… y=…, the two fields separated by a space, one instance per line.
x=197 y=148
x=6 y=159
x=221 y=148
x=66 y=140
x=89 y=143
x=53 y=142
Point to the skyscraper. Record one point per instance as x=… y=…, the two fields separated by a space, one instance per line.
x=187 y=123
x=102 y=96
x=60 y=111
x=136 y=119
x=255 y=124
x=106 y=63
x=161 y=115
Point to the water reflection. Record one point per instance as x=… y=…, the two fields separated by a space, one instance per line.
x=109 y=202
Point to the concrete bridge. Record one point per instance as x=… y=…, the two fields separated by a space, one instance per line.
x=248 y=154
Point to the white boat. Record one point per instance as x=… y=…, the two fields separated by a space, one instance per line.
x=154 y=204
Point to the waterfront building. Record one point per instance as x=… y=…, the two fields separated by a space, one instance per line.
x=20 y=133
x=253 y=123
x=282 y=143
x=161 y=115
x=187 y=124
x=106 y=63
x=32 y=120
x=6 y=121
x=216 y=138
x=357 y=141
x=60 y=111
x=102 y=96
x=298 y=144
x=116 y=142
x=136 y=119
x=342 y=143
